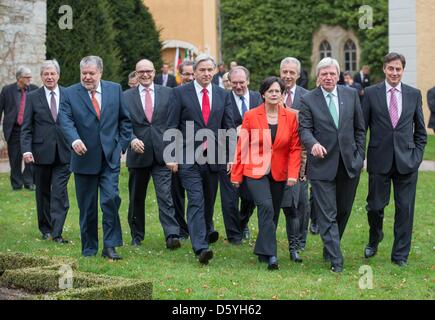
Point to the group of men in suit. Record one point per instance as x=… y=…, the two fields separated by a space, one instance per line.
x=85 y=128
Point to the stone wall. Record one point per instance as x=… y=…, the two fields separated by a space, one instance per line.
x=22 y=41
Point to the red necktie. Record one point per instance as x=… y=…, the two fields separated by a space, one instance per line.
x=205 y=105
x=95 y=104
x=21 y=109
x=148 y=105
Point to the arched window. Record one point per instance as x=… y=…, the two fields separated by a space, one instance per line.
x=325 y=49
x=350 y=56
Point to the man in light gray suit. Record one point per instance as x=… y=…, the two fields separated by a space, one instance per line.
x=332 y=130
x=148 y=106
x=393 y=112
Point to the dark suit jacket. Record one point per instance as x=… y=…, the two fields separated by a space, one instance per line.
x=363 y=82
x=299 y=92
x=254 y=101
x=406 y=142
x=9 y=104
x=317 y=126
x=431 y=105
x=184 y=107
x=40 y=134
x=216 y=77
x=171 y=83
x=151 y=134
x=106 y=137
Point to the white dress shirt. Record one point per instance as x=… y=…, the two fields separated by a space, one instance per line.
x=239 y=101
x=334 y=97
x=142 y=93
x=56 y=97
x=398 y=95
x=199 y=94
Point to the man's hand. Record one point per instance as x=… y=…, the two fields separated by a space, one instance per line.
x=80 y=148
x=173 y=166
x=28 y=158
x=291 y=182
x=318 y=151
x=137 y=145
x=229 y=167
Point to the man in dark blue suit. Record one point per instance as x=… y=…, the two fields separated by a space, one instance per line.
x=44 y=145
x=95 y=122
x=200 y=108
x=236 y=221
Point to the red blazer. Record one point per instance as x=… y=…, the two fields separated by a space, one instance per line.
x=255 y=153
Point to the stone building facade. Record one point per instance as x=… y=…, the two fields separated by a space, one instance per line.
x=22 y=42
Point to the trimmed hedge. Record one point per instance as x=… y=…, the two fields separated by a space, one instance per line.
x=40 y=277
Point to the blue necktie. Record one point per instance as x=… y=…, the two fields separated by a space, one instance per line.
x=244 y=107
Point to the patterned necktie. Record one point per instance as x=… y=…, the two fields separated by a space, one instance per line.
x=244 y=107
x=53 y=107
x=289 y=101
x=20 y=117
x=205 y=105
x=95 y=104
x=394 y=109
x=332 y=109
x=148 y=105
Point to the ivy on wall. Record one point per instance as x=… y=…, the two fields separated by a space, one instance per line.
x=260 y=33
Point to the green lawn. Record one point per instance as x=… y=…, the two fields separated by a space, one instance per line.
x=234 y=273
x=429 y=152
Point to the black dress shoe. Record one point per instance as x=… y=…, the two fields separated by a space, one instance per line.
x=136 y=242
x=205 y=256
x=173 y=243
x=17 y=188
x=336 y=268
x=314 y=228
x=46 y=236
x=213 y=237
x=263 y=258
x=294 y=256
x=235 y=242
x=370 y=251
x=400 y=263
x=60 y=240
x=30 y=187
x=111 y=254
x=273 y=263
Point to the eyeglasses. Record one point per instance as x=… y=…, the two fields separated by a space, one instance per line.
x=142 y=72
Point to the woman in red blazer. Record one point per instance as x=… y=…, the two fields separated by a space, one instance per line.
x=268 y=156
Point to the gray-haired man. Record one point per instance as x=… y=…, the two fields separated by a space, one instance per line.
x=332 y=130
x=12 y=103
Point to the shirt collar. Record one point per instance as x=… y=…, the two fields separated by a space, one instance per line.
x=398 y=87
x=325 y=93
x=293 y=90
x=142 y=88
x=246 y=96
x=56 y=91
x=199 y=88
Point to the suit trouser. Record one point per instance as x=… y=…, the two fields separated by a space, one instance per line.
x=52 y=201
x=247 y=205
x=297 y=216
x=404 y=198
x=201 y=186
x=313 y=216
x=178 y=198
x=87 y=186
x=137 y=187
x=267 y=194
x=18 y=176
x=230 y=210
x=333 y=201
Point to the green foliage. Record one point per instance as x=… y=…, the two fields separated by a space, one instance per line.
x=259 y=34
x=137 y=38
x=120 y=32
